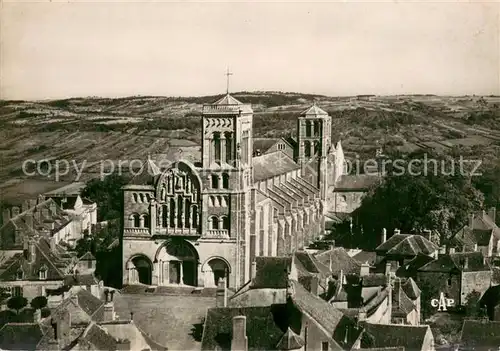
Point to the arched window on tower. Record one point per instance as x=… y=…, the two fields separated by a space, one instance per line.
x=308 y=129
x=214 y=222
x=145 y=220
x=307 y=148
x=225 y=181
x=171 y=215
x=229 y=148
x=217 y=147
x=225 y=222
x=134 y=197
x=136 y=220
x=317 y=128
x=215 y=181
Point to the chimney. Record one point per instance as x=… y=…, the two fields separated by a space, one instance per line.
x=492 y=213
x=452 y=250
x=466 y=263
x=253 y=271
x=109 y=311
x=74 y=298
x=63 y=329
x=53 y=243
x=442 y=249
x=5 y=215
x=397 y=287
x=388 y=268
x=471 y=220
x=15 y=211
x=428 y=234
x=397 y=231
x=221 y=293
x=239 y=341
x=365 y=269
x=384 y=235
x=475 y=247
x=341 y=277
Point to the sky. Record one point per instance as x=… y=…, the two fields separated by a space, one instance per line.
x=57 y=49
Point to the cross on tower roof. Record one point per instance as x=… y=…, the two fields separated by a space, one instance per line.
x=227 y=82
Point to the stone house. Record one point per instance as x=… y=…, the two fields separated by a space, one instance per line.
x=400 y=249
x=480 y=234
x=457 y=274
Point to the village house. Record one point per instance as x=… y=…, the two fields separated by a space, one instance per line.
x=400 y=249
x=39 y=270
x=480 y=234
x=270 y=276
x=80 y=322
x=42 y=216
x=457 y=274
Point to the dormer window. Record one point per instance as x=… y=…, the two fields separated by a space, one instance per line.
x=42 y=274
x=19 y=275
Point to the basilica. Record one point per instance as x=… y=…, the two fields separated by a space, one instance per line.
x=192 y=223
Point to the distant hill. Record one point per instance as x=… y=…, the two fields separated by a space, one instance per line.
x=94 y=129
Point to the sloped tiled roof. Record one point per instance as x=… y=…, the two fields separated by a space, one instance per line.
x=365 y=257
x=407 y=245
x=228 y=99
x=339 y=260
x=273 y=164
x=394 y=335
x=20 y=336
x=97 y=338
x=262 y=331
x=311 y=263
x=476 y=333
x=45 y=258
x=401 y=303
x=263 y=144
x=374 y=280
x=324 y=313
x=271 y=272
x=457 y=261
x=314 y=111
x=84 y=308
x=80 y=280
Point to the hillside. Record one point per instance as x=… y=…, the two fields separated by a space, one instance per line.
x=95 y=129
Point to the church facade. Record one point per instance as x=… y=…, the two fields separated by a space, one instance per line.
x=191 y=224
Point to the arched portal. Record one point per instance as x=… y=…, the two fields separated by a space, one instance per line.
x=214 y=269
x=140 y=270
x=177 y=263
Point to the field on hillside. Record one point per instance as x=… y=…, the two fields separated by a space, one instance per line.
x=90 y=133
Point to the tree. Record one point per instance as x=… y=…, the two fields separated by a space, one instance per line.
x=415 y=197
x=107 y=194
x=39 y=302
x=17 y=303
x=473 y=308
x=429 y=291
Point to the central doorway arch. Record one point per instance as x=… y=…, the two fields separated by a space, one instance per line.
x=178 y=263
